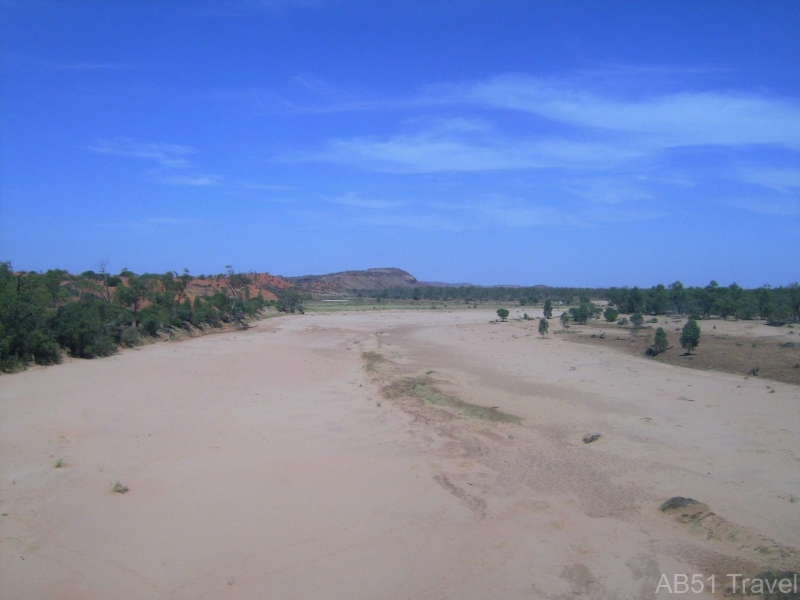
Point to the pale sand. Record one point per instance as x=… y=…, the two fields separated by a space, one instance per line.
x=260 y=465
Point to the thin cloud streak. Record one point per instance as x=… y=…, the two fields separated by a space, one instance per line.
x=784 y=181
x=679 y=119
x=167 y=155
x=188 y=180
x=355 y=201
x=429 y=154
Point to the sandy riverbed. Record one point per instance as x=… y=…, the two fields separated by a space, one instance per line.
x=268 y=463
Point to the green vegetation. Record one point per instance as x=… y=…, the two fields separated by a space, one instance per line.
x=611 y=314
x=544 y=327
x=425 y=390
x=90 y=315
x=94 y=314
x=660 y=343
x=775 y=305
x=690 y=336
x=548 y=308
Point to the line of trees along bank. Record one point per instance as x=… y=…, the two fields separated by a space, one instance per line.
x=93 y=314
x=775 y=305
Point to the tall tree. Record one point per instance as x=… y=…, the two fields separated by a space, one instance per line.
x=677 y=295
x=132 y=296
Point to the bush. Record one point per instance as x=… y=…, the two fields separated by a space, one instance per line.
x=637 y=320
x=544 y=327
x=690 y=336
x=611 y=314
x=660 y=343
x=502 y=313
x=622 y=321
x=130 y=337
x=91 y=328
x=153 y=319
x=580 y=314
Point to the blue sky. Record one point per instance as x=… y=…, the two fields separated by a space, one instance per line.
x=564 y=143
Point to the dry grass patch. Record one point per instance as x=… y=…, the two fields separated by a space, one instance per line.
x=423 y=388
x=371 y=360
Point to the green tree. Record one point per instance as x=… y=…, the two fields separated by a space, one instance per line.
x=660 y=343
x=26 y=315
x=289 y=301
x=132 y=296
x=611 y=314
x=657 y=300
x=564 y=319
x=544 y=327
x=637 y=320
x=580 y=314
x=237 y=286
x=502 y=313
x=548 y=308
x=635 y=302
x=677 y=295
x=690 y=336
x=90 y=327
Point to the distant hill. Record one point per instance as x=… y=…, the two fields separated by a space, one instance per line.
x=444 y=284
x=341 y=283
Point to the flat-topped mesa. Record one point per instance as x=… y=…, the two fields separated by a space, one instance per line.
x=369 y=279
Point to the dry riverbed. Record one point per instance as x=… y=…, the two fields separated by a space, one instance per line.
x=395 y=454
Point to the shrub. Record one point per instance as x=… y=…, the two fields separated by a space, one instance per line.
x=690 y=336
x=130 y=337
x=660 y=343
x=544 y=327
x=90 y=328
x=502 y=313
x=622 y=321
x=611 y=314
x=580 y=314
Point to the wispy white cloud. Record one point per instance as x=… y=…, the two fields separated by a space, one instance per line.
x=776 y=207
x=188 y=180
x=167 y=155
x=356 y=201
x=498 y=210
x=785 y=181
x=17 y=62
x=608 y=190
x=173 y=166
x=430 y=153
x=269 y=187
x=152 y=224
x=678 y=119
